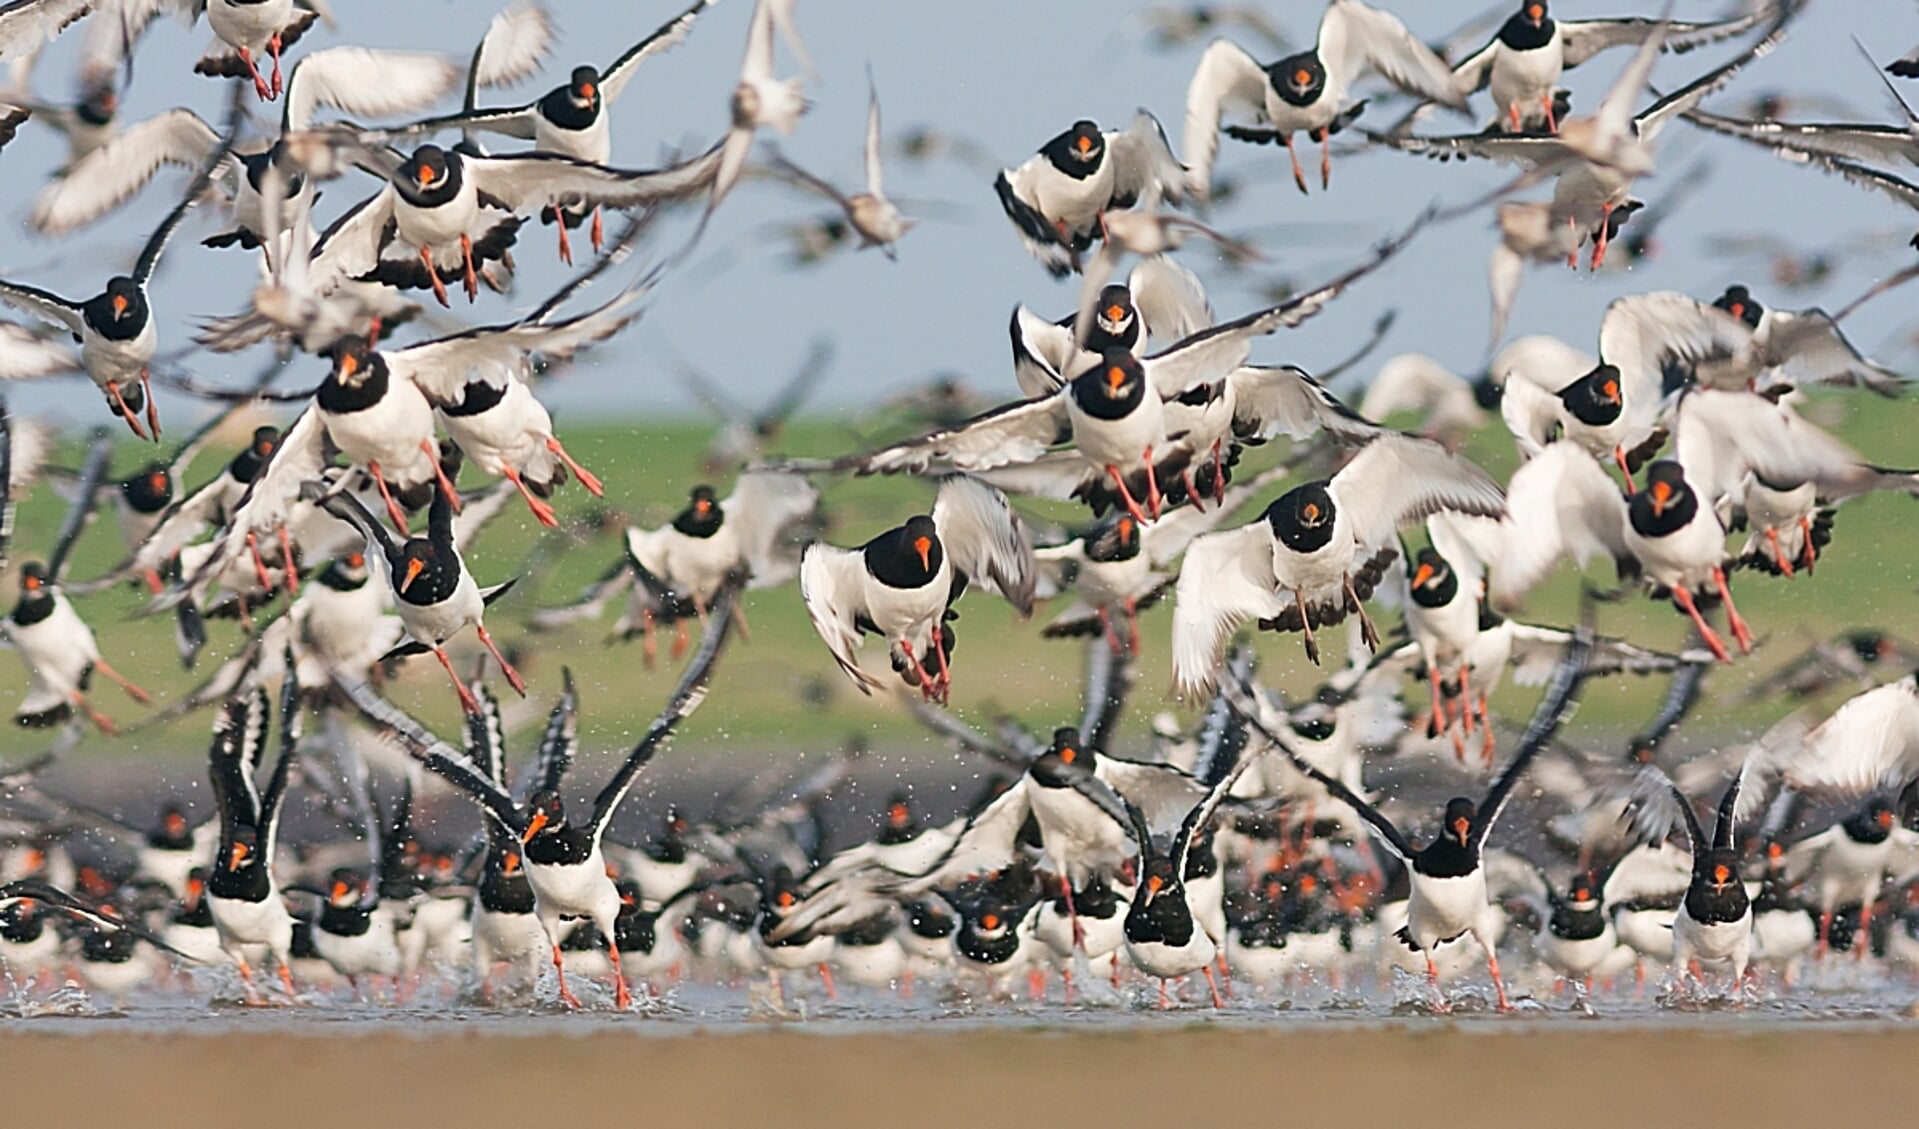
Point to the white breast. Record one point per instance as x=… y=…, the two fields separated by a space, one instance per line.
x=1156 y=958
x=436 y=623
x=579 y=890
x=1118 y=442
x=118 y=362
x=1443 y=908
x=437 y=227
x=1684 y=558
x=253 y=925
x=594 y=143
x=389 y=432
x=908 y=613
x=1522 y=78
x=248 y=26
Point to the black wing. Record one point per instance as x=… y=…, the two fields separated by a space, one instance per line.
x=1383 y=827
x=1193 y=828
x=273 y=800
x=1726 y=824
x=156 y=244
x=486 y=734
x=448 y=763
x=56 y=898
x=92 y=474
x=1553 y=711
x=1109 y=682
x=1222 y=732
x=233 y=790
x=665 y=37
x=347 y=508
x=6 y=480
x=561 y=739
x=686 y=698
x=1681 y=697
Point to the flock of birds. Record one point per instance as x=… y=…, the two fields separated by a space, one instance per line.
x=1252 y=847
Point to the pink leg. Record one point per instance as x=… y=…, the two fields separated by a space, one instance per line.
x=1716 y=645
x=1740 y=631
x=506 y=668
x=541 y=511
x=447 y=488
x=1778 y=554
x=586 y=477
x=1299 y=178
x=467 y=701
x=1126 y=496
x=1625 y=468
x=559 y=970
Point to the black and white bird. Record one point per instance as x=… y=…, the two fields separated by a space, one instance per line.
x=1316 y=553
x=1306 y=92
x=1795 y=348
x=675 y=572
x=1160 y=301
x=901 y=584
x=563 y=860
x=246 y=31
x=115 y=328
x=242 y=890
x=1056 y=198
x=1846 y=864
x=570 y=120
x=1523 y=62
x=1448 y=883
x=434 y=593
x=1714 y=920
x=58 y=648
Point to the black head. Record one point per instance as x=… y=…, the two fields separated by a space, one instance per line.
x=424 y=574
x=356 y=362
x=1078 y=151
x=98 y=105
x=702 y=516
x=1582 y=891
x=196 y=888
x=150 y=490
x=1459 y=820
x=1721 y=869
x=1872 y=823
x=1115 y=540
x=1158 y=879
x=34 y=581
x=907 y=557
x=1667 y=502
x=171 y=831
x=1871 y=646
x=1434 y=582
x=1113 y=388
x=1529 y=28
x=431 y=173
x=1115 y=313
x=583 y=89
x=1739 y=302
x=119 y=312
x=346 y=886
x=1299 y=79
x=1595 y=399
x=782 y=890
x=255 y=454
x=1064 y=756
x=243 y=852
x=548 y=815
x=345 y=573
x=1302 y=518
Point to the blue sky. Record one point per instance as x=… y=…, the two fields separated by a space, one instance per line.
x=1006 y=75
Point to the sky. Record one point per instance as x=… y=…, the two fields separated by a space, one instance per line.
x=1006 y=76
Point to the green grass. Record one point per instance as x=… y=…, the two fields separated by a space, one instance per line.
x=779 y=690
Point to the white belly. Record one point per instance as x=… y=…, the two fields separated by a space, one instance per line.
x=1121 y=443
x=248 y=26
x=1076 y=203
x=594 y=143
x=1444 y=634
x=1156 y=958
x=118 y=362
x=198 y=942
x=1581 y=958
x=1718 y=941
x=580 y=890
x=252 y=926
x=1109 y=584
x=908 y=613
x=390 y=433
x=1522 y=78
x=1852 y=871
x=512 y=433
x=373 y=953
x=1440 y=909
x=439 y=622
x=1648 y=931
x=872 y=966
x=117 y=978
x=437 y=227
x=1684 y=559
x=513 y=938
x=1079 y=838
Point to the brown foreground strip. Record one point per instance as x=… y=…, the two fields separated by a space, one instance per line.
x=1477 y=1074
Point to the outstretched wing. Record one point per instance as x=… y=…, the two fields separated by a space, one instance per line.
x=1553 y=711
x=986 y=540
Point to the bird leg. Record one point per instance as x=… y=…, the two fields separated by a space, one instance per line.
x=599 y=230
x=1778 y=554
x=1192 y=489
x=393 y=510
x=1599 y=237
x=649 y=650
x=1306 y=626
x=1162 y=980
x=622 y=996
x=1625 y=468
x=506 y=668
x=1153 y=498
x=433 y=276
x=286 y=562
x=826 y=981
x=1512 y=116
x=467 y=701
x=472 y=277
x=120 y=408
x=1299 y=174
x=1499 y=984
x=1740 y=631
x=153 y=408
x=541 y=511
x=586 y=477
x=1219 y=475
x=566 y=245
x=1486 y=729
x=122 y=682
x=1862 y=937
x=559 y=970
x=739 y=623
x=1212 y=983
x=679 y=639
x=1112 y=633
x=1683 y=597
x=1438 y=717
x=1466 y=698
x=274 y=47
x=260 y=86
x=945 y=672
x=1367 y=632
x=286 y=979
x=100 y=721
x=447 y=488
x=259 y=564
x=1809 y=552
x=1546 y=104
x=154 y=584
x=1126 y=496
x=254 y=999
x=1572 y=256
x=1326 y=158
x=1072 y=915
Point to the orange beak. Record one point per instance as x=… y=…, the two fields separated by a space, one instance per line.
x=355 y=560
x=1661 y=497
x=1126 y=529
x=1154 y=884
x=1302 y=77
x=1461 y=829
x=586 y=90
x=424 y=176
x=785 y=900
x=1737 y=309
x=349 y=364
x=1535 y=13
x=1424 y=574
x=1720 y=875
x=702 y=506
x=237 y=857
x=341 y=890
x=1115 y=377
x=1085 y=144
x=1311 y=512
x=924 y=547
x=990 y=921
x=1114 y=313
x=534 y=826
x=510 y=864
x=1611 y=390
x=898 y=815
x=158 y=482
x=31 y=584
x=1885 y=819
x=1068 y=755
x=119 y=305
x=413 y=569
